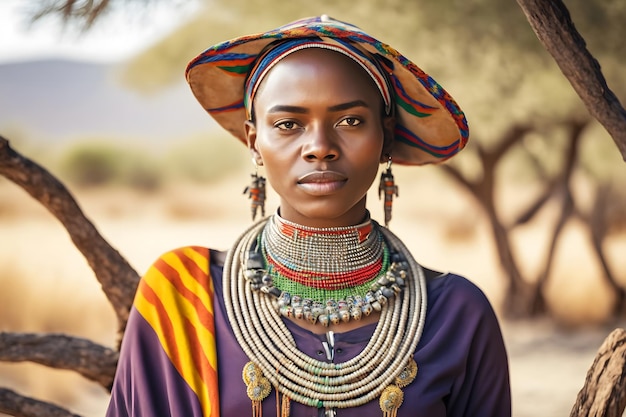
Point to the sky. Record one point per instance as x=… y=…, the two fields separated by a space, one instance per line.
x=114 y=38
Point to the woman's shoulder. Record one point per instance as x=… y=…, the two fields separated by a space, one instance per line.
x=456 y=291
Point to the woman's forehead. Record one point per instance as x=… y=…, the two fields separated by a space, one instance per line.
x=318 y=69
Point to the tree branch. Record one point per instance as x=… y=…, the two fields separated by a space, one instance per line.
x=118 y=279
x=537 y=205
x=551 y=22
x=13 y=404
x=512 y=137
x=598 y=230
x=93 y=361
x=73 y=10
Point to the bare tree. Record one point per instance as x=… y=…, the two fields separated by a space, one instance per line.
x=118 y=279
x=524 y=295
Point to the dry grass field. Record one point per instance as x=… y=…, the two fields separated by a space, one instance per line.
x=46 y=286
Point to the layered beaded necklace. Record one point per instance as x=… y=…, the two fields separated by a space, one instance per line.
x=325 y=275
x=360 y=266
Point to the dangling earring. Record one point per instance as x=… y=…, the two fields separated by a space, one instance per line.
x=256 y=191
x=388 y=186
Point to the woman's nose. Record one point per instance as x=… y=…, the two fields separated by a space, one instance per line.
x=321 y=145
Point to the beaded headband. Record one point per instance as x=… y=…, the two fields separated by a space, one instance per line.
x=276 y=52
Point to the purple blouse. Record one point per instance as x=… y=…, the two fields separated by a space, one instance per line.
x=461 y=358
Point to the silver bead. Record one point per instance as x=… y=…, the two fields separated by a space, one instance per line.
x=355 y=312
x=296 y=301
x=308 y=316
x=344 y=315
x=284 y=299
x=387 y=292
x=384 y=280
x=366 y=309
x=255 y=261
x=249 y=274
x=381 y=298
x=267 y=280
x=286 y=311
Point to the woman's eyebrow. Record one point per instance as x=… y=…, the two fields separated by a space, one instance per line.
x=348 y=105
x=303 y=110
x=287 y=108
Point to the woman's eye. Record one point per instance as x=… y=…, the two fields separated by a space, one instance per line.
x=349 y=121
x=287 y=125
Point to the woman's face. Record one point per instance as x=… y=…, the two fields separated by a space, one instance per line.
x=319 y=132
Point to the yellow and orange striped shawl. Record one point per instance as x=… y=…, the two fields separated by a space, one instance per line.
x=175 y=297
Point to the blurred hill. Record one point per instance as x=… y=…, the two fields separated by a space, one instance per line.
x=63 y=100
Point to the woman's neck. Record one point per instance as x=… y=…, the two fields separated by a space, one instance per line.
x=354 y=216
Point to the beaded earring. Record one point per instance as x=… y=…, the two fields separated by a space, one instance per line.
x=256 y=191
x=389 y=188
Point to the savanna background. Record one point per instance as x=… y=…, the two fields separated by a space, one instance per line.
x=153 y=172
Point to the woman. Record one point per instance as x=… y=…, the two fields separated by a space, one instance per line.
x=317 y=310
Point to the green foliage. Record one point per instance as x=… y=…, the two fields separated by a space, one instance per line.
x=91 y=164
x=601 y=160
x=201 y=159
x=205 y=159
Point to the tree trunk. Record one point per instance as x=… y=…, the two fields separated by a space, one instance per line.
x=521 y=298
x=604 y=392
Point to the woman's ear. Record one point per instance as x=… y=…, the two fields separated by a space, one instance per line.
x=389 y=127
x=251 y=139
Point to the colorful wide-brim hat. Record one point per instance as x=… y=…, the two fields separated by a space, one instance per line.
x=430 y=126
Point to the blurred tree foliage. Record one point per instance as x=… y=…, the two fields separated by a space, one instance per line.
x=100 y=163
x=109 y=162
x=526 y=121
x=483 y=51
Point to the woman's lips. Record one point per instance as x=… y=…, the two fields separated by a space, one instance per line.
x=322 y=182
